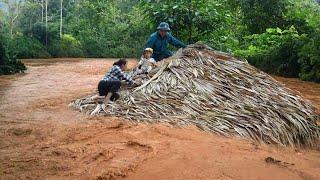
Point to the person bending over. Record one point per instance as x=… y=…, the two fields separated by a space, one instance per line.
x=111 y=82
x=159 y=41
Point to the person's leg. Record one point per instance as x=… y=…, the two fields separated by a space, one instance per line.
x=144 y=69
x=114 y=97
x=102 y=89
x=167 y=54
x=103 y=92
x=164 y=55
x=114 y=88
x=109 y=89
x=156 y=57
x=149 y=69
x=137 y=72
x=106 y=100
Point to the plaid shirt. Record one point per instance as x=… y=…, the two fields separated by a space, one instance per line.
x=116 y=74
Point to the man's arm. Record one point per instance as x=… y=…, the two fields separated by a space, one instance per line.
x=150 y=42
x=175 y=42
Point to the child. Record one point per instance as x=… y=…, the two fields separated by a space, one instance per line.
x=110 y=84
x=146 y=62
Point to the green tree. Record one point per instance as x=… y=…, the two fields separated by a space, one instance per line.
x=30 y=15
x=8 y=63
x=309 y=58
x=107 y=31
x=13 y=12
x=119 y=28
x=190 y=20
x=258 y=15
x=276 y=51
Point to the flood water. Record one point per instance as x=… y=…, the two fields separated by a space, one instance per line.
x=42 y=138
x=49 y=84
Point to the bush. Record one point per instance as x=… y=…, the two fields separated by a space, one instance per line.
x=8 y=63
x=309 y=58
x=67 y=46
x=281 y=60
x=305 y=15
x=12 y=67
x=27 y=47
x=275 y=51
x=284 y=53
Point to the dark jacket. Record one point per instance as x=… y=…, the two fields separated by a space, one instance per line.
x=160 y=45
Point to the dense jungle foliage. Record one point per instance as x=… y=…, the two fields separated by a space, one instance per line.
x=8 y=63
x=281 y=37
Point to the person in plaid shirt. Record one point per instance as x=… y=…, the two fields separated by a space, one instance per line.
x=116 y=74
x=111 y=82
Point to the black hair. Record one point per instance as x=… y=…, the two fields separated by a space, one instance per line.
x=120 y=62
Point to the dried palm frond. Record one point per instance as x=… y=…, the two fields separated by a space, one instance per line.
x=218 y=93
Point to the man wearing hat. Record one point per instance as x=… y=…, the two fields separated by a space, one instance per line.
x=159 y=41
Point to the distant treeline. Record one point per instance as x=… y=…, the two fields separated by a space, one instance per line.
x=281 y=37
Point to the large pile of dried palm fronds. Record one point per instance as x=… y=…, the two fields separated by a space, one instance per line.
x=217 y=93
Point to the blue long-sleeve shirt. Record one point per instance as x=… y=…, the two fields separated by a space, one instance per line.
x=160 y=45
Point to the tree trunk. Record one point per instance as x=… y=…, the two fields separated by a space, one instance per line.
x=46 y=23
x=42 y=11
x=190 y=22
x=11 y=30
x=61 y=1
x=78 y=11
x=13 y=14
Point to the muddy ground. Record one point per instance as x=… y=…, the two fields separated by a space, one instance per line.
x=41 y=138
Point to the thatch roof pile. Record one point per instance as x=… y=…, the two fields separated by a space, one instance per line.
x=217 y=93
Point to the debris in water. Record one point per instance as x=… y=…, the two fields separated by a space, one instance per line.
x=271 y=160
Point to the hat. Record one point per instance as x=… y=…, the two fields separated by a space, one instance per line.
x=149 y=49
x=164 y=26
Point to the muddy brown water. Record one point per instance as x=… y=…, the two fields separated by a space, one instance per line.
x=49 y=83
x=41 y=138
